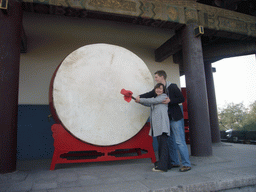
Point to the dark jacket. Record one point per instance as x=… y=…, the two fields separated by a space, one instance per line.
x=176 y=97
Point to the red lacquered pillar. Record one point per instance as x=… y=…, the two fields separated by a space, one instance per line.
x=10 y=42
x=213 y=111
x=198 y=111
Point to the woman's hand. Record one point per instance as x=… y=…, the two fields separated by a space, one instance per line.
x=137 y=99
x=167 y=100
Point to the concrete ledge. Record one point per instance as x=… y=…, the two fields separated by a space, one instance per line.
x=213 y=186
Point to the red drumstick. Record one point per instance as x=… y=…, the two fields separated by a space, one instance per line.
x=127 y=95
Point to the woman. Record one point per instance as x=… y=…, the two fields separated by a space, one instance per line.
x=160 y=127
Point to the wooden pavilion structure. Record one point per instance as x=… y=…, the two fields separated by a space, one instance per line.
x=205 y=31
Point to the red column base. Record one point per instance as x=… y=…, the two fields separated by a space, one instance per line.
x=69 y=149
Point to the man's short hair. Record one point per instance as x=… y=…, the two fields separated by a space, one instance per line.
x=161 y=73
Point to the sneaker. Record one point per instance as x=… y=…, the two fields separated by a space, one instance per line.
x=185 y=168
x=157 y=170
x=175 y=166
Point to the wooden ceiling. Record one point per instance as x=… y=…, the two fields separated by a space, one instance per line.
x=242 y=6
x=210 y=37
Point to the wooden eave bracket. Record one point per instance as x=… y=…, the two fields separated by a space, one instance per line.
x=24 y=45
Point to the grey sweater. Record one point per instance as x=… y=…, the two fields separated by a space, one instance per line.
x=159 y=118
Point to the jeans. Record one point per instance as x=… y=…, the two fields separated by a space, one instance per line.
x=176 y=142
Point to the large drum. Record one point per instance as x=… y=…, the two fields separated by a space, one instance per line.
x=85 y=94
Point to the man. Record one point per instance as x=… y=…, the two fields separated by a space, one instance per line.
x=177 y=136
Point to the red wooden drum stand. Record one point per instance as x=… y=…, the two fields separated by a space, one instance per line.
x=69 y=149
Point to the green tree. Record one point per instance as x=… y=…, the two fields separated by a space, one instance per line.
x=250 y=123
x=232 y=116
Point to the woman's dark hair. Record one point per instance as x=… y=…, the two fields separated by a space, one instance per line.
x=158 y=85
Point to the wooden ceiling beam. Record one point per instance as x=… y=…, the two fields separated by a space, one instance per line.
x=170 y=47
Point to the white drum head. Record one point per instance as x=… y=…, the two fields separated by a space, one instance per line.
x=86 y=94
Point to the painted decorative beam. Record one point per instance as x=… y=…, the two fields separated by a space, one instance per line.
x=177 y=11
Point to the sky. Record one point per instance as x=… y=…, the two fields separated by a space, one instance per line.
x=234 y=80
